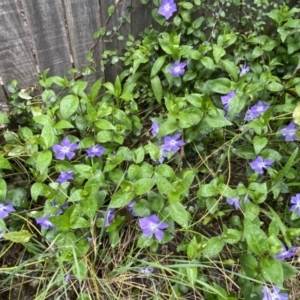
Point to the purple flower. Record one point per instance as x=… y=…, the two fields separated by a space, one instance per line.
x=256 y=110
x=154 y=129
x=44 y=222
x=163 y=154
x=286 y=253
x=65 y=148
x=226 y=99
x=96 y=150
x=151 y=225
x=65 y=176
x=89 y=239
x=108 y=216
x=177 y=69
x=290 y=132
x=67 y=277
x=296 y=204
x=233 y=201
x=273 y=294
x=5 y=210
x=259 y=164
x=172 y=143
x=167 y=8
x=244 y=69
x=130 y=208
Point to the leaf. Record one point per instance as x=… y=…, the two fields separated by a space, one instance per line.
x=208 y=63
x=271 y=270
x=296 y=114
x=157 y=88
x=214 y=246
x=259 y=143
x=275 y=86
x=179 y=214
x=167 y=127
x=22 y=236
x=121 y=198
x=104 y=124
x=192 y=273
x=4 y=163
x=230 y=68
x=43 y=160
x=36 y=190
x=68 y=106
x=138 y=155
x=95 y=89
x=159 y=62
x=3 y=189
x=207 y=190
x=219 y=85
x=143 y=186
x=48 y=135
x=249 y=265
x=80 y=269
x=218 y=52
x=255 y=237
x=215 y=118
x=4 y=119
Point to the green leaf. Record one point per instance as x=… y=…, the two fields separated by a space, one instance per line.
x=157 y=88
x=167 y=127
x=4 y=119
x=271 y=270
x=104 y=136
x=3 y=189
x=22 y=236
x=208 y=63
x=215 y=118
x=4 y=163
x=219 y=85
x=163 y=185
x=179 y=214
x=48 y=135
x=142 y=208
x=165 y=171
x=159 y=62
x=214 y=246
x=259 y=143
x=232 y=236
x=192 y=273
x=249 y=265
x=218 y=52
x=80 y=269
x=189 y=117
x=95 y=90
x=207 y=190
x=121 y=198
x=275 y=86
x=62 y=124
x=104 y=124
x=255 y=237
x=144 y=185
x=230 y=68
x=68 y=106
x=138 y=155
x=18 y=197
x=43 y=160
x=36 y=190
x=192 y=249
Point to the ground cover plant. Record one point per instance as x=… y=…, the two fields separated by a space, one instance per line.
x=179 y=180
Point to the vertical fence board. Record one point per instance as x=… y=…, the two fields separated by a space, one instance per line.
x=121 y=10
x=141 y=16
x=2 y=96
x=16 y=59
x=83 y=20
x=46 y=22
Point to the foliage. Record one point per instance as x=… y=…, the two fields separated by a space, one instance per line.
x=192 y=150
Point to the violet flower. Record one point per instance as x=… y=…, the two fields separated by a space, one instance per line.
x=96 y=150
x=286 y=253
x=172 y=143
x=295 y=200
x=44 y=222
x=256 y=110
x=67 y=277
x=167 y=8
x=177 y=69
x=226 y=99
x=244 y=69
x=235 y=201
x=5 y=210
x=290 y=132
x=273 y=294
x=152 y=224
x=65 y=176
x=259 y=164
x=163 y=154
x=65 y=148
x=108 y=216
x=154 y=129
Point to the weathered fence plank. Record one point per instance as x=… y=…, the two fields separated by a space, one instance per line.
x=83 y=18
x=16 y=59
x=125 y=29
x=46 y=22
x=2 y=96
x=141 y=16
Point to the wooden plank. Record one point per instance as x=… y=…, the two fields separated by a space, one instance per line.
x=16 y=59
x=83 y=20
x=141 y=16
x=112 y=71
x=2 y=96
x=46 y=22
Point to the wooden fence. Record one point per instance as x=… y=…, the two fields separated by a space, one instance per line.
x=57 y=34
